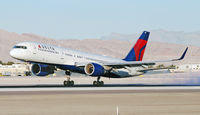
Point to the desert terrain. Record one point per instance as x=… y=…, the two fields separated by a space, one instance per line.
x=119 y=48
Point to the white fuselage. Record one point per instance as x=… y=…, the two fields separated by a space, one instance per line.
x=49 y=54
x=38 y=52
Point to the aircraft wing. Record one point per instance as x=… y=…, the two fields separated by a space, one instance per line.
x=140 y=63
x=119 y=65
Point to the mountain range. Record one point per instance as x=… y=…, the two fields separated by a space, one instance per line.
x=164 y=36
x=114 y=46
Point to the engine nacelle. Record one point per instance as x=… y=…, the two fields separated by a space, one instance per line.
x=94 y=69
x=42 y=69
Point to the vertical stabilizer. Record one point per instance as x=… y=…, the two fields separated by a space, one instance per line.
x=137 y=52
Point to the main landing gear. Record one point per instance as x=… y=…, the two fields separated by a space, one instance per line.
x=98 y=83
x=67 y=82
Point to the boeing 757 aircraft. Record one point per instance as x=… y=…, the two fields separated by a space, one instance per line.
x=45 y=59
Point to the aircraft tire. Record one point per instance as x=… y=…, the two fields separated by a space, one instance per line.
x=65 y=83
x=101 y=83
x=94 y=83
x=68 y=83
x=71 y=83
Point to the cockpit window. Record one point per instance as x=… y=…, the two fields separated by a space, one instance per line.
x=22 y=47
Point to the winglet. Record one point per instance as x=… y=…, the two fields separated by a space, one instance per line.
x=183 y=55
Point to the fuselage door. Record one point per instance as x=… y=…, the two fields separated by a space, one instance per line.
x=34 y=50
x=62 y=55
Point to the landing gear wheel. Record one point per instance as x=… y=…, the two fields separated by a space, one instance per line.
x=98 y=83
x=65 y=83
x=68 y=83
x=72 y=83
x=101 y=83
x=95 y=83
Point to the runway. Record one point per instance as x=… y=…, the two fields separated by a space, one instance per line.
x=84 y=100
x=48 y=96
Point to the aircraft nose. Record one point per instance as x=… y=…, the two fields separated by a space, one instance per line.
x=12 y=53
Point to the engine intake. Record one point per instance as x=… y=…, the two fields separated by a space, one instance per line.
x=94 y=69
x=42 y=69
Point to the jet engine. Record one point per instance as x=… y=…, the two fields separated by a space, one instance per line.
x=42 y=69
x=94 y=69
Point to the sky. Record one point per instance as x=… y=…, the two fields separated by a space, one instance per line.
x=81 y=19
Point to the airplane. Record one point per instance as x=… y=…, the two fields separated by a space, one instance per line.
x=45 y=59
